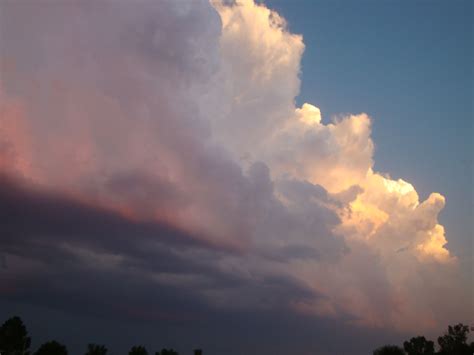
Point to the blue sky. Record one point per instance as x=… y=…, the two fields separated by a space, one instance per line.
x=408 y=64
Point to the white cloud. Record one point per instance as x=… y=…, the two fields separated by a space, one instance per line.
x=385 y=217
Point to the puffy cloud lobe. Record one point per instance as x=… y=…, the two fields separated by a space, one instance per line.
x=336 y=155
x=385 y=216
x=120 y=128
x=183 y=115
x=258 y=77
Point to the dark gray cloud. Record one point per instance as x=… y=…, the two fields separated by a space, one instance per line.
x=93 y=265
x=92 y=259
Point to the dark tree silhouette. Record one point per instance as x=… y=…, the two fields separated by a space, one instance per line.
x=51 y=348
x=197 y=352
x=389 y=350
x=167 y=352
x=419 y=346
x=14 y=339
x=454 y=341
x=138 y=350
x=94 y=349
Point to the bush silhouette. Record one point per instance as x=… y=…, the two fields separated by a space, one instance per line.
x=138 y=350
x=94 y=349
x=51 y=348
x=14 y=339
x=167 y=352
x=454 y=341
x=389 y=350
x=419 y=346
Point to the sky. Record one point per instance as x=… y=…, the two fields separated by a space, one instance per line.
x=349 y=43
x=273 y=177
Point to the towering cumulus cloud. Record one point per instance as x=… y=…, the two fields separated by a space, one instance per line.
x=167 y=134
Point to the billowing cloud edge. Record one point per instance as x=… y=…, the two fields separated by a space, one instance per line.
x=217 y=147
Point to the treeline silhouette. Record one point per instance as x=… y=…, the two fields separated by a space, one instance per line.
x=14 y=340
x=453 y=342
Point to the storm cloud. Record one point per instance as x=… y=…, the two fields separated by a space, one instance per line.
x=152 y=152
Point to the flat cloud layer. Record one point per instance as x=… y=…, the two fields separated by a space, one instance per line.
x=158 y=146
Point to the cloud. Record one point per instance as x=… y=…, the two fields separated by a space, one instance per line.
x=142 y=270
x=160 y=145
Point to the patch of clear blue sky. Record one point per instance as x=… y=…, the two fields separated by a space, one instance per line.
x=409 y=65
